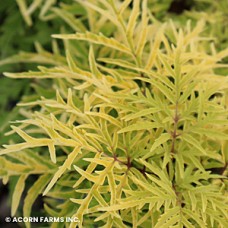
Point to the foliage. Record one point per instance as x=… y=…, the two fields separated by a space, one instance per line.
x=216 y=15
x=136 y=133
x=17 y=47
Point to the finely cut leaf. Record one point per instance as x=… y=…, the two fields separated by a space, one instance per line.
x=155 y=49
x=143 y=36
x=93 y=65
x=140 y=126
x=70 y=19
x=106 y=117
x=96 y=39
x=66 y=165
x=33 y=193
x=159 y=141
x=213 y=134
x=167 y=215
x=100 y=10
x=24 y=12
x=141 y=113
x=193 y=142
x=194 y=216
x=124 y=205
x=87 y=175
x=124 y=5
x=19 y=188
x=132 y=22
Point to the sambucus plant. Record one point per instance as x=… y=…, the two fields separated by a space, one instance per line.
x=17 y=41
x=134 y=138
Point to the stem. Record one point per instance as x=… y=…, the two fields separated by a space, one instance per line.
x=178 y=195
x=128 y=163
x=143 y=89
x=174 y=133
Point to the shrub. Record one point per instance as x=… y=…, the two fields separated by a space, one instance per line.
x=17 y=47
x=136 y=136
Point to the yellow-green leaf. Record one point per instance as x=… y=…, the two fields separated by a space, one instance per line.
x=146 y=125
x=160 y=140
x=66 y=165
x=18 y=190
x=96 y=39
x=192 y=141
x=141 y=113
x=32 y=194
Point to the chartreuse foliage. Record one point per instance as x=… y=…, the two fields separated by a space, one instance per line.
x=134 y=135
x=17 y=46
